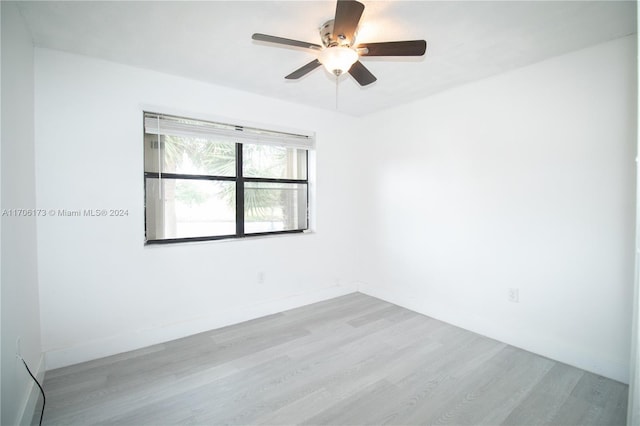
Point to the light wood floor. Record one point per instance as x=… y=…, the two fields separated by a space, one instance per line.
x=352 y=360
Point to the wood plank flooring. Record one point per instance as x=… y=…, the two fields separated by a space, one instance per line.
x=353 y=360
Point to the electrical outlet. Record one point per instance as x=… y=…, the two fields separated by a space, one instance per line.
x=513 y=295
x=261 y=277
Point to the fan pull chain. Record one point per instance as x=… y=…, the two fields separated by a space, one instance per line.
x=337 y=77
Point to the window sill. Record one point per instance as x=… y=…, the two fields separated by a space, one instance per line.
x=228 y=240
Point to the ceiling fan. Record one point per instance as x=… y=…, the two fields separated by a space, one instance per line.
x=339 y=52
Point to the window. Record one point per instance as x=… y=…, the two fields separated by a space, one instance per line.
x=207 y=181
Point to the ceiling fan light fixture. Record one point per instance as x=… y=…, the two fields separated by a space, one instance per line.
x=338 y=59
x=339 y=52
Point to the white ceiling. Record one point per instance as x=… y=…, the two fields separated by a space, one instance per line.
x=211 y=41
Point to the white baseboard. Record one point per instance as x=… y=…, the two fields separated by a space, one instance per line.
x=28 y=410
x=100 y=348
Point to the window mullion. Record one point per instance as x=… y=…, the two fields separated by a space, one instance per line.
x=239 y=192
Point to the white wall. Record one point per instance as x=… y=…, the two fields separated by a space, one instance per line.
x=101 y=290
x=20 y=310
x=524 y=180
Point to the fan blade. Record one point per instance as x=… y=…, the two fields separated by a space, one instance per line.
x=285 y=41
x=348 y=13
x=303 y=70
x=394 y=48
x=361 y=74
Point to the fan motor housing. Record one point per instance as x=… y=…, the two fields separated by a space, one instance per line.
x=330 y=40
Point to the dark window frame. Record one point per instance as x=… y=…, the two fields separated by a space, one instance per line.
x=240 y=181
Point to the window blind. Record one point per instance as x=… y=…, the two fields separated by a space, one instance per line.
x=176 y=126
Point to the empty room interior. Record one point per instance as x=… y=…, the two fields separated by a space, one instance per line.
x=319 y=212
